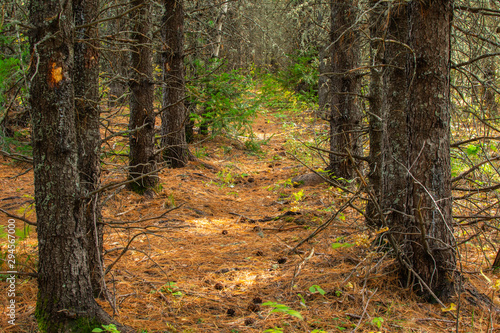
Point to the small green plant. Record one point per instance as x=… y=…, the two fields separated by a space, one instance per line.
x=111 y=328
x=377 y=322
x=283 y=308
x=317 y=289
x=171 y=328
x=12 y=66
x=19 y=143
x=339 y=243
x=473 y=150
x=341 y=216
x=28 y=208
x=226 y=178
x=21 y=233
x=472 y=319
x=280 y=185
x=170 y=202
x=341 y=325
x=253 y=146
x=274 y=330
x=200 y=152
x=171 y=288
x=302 y=300
x=298 y=196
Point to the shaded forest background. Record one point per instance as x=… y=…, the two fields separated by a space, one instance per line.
x=216 y=117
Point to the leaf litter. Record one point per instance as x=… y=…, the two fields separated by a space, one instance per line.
x=220 y=260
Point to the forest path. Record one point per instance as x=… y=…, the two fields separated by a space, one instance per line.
x=225 y=247
x=213 y=244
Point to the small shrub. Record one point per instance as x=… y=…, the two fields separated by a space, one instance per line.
x=224 y=101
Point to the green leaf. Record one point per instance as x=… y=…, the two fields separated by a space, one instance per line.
x=111 y=328
x=315 y=288
x=295 y=314
x=473 y=149
x=377 y=321
x=274 y=330
x=339 y=245
x=97 y=330
x=283 y=308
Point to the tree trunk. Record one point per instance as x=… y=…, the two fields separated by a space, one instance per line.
x=64 y=286
x=174 y=115
x=142 y=159
x=496 y=263
x=489 y=95
x=395 y=164
x=218 y=37
x=345 y=117
x=86 y=84
x=119 y=62
x=323 y=85
x=377 y=104
x=430 y=245
x=192 y=69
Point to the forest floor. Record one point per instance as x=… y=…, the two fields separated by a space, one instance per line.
x=220 y=259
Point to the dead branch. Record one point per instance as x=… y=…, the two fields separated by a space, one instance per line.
x=18 y=217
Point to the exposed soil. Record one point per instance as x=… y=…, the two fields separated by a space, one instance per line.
x=223 y=251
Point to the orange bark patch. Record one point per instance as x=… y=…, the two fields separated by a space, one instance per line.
x=56 y=75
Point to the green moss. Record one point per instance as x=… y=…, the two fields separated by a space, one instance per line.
x=84 y=325
x=142 y=189
x=41 y=316
x=46 y=324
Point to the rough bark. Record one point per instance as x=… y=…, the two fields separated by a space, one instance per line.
x=429 y=238
x=174 y=115
x=376 y=117
x=65 y=296
x=86 y=84
x=192 y=42
x=345 y=117
x=395 y=155
x=142 y=159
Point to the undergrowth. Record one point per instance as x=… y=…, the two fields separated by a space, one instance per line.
x=225 y=103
